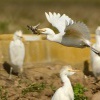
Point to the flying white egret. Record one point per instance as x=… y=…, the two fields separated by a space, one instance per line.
x=66 y=91
x=95 y=59
x=17 y=53
x=72 y=34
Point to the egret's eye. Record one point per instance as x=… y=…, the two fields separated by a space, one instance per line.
x=19 y=36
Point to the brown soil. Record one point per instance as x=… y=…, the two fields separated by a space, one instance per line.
x=47 y=73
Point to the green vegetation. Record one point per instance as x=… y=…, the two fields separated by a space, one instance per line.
x=15 y=14
x=4 y=26
x=53 y=88
x=35 y=87
x=3 y=93
x=39 y=87
x=77 y=1
x=79 y=92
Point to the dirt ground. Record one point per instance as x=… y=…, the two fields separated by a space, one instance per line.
x=48 y=75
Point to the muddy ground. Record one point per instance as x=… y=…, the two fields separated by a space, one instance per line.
x=46 y=77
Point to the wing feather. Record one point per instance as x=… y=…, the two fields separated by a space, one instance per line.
x=77 y=30
x=58 y=21
x=47 y=16
x=76 y=35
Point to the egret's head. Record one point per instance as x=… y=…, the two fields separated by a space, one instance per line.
x=67 y=70
x=98 y=30
x=46 y=31
x=18 y=34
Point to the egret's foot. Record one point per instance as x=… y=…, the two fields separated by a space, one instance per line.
x=20 y=75
x=96 y=81
x=10 y=77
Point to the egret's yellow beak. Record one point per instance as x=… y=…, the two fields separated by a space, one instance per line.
x=76 y=70
x=41 y=30
x=20 y=36
x=72 y=70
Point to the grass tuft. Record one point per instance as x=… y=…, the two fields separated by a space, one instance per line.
x=79 y=92
x=35 y=87
x=3 y=93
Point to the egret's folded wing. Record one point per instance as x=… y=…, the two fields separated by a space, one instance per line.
x=17 y=53
x=58 y=21
x=77 y=30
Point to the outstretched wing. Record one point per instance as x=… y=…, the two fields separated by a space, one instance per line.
x=77 y=30
x=76 y=35
x=58 y=21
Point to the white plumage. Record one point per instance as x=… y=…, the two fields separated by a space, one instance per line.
x=95 y=59
x=58 y=21
x=17 y=53
x=66 y=91
x=72 y=34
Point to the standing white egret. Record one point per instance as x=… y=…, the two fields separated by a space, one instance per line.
x=95 y=59
x=17 y=53
x=66 y=91
x=73 y=34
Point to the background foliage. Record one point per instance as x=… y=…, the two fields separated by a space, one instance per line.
x=16 y=14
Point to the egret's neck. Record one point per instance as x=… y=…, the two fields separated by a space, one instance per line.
x=65 y=80
x=67 y=87
x=50 y=35
x=54 y=37
x=15 y=38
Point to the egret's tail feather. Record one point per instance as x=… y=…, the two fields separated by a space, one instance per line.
x=88 y=44
x=95 y=51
